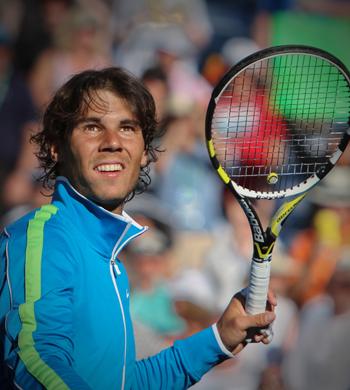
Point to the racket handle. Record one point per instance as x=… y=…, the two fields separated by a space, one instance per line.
x=258 y=287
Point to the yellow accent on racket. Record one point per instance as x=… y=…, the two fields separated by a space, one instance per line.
x=211 y=148
x=282 y=213
x=264 y=252
x=223 y=174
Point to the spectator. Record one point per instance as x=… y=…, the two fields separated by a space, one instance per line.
x=138 y=26
x=320 y=358
x=194 y=299
x=184 y=181
x=228 y=260
x=79 y=44
x=37 y=25
x=155 y=80
x=151 y=264
x=317 y=248
x=18 y=120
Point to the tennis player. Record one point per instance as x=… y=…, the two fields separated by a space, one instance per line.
x=64 y=303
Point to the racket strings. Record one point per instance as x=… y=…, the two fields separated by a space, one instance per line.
x=285 y=114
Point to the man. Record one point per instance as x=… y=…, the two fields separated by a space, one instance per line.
x=64 y=293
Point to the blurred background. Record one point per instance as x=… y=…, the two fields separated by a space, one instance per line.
x=184 y=270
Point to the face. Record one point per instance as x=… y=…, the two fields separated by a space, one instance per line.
x=105 y=153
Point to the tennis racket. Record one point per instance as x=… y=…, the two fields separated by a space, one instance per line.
x=276 y=124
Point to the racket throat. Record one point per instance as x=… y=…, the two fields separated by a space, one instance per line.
x=281 y=216
x=263 y=252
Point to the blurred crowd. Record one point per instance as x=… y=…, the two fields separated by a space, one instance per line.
x=197 y=253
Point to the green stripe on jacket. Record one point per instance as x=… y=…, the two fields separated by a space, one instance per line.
x=27 y=352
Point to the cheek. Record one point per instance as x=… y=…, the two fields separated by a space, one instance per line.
x=74 y=160
x=81 y=150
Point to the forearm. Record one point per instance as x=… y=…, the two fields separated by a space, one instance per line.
x=181 y=365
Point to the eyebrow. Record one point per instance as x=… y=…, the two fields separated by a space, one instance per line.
x=130 y=122
x=83 y=120
x=123 y=122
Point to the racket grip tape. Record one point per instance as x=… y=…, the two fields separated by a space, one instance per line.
x=258 y=287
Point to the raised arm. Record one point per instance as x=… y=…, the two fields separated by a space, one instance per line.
x=184 y=364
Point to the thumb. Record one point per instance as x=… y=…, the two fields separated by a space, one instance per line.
x=258 y=320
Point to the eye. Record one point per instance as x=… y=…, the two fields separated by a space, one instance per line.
x=91 y=128
x=127 y=129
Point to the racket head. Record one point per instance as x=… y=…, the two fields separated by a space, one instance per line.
x=278 y=121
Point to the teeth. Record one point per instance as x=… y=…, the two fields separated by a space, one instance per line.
x=109 y=167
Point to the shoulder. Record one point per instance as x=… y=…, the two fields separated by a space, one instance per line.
x=35 y=217
x=42 y=227
x=41 y=244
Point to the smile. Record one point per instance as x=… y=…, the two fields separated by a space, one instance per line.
x=109 y=168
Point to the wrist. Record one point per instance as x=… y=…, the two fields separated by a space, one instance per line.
x=220 y=341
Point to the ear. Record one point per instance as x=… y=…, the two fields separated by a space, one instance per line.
x=144 y=159
x=54 y=153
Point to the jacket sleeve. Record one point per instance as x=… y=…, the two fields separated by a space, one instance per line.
x=43 y=310
x=181 y=365
x=4 y=308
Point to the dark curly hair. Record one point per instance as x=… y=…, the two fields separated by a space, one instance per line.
x=75 y=97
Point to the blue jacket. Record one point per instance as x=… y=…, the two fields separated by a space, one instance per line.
x=64 y=305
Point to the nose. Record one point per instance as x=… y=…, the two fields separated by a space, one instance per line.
x=110 y=141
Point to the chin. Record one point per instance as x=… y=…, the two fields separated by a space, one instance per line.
x=109 y=199
x=109 y=204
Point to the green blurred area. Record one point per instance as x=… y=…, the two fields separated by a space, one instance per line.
x=330 y=34
x=308 y=87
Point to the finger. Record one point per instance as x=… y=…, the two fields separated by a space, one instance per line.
x=267 y=339
x=258 y=338
x=268 y=334
x=257 y=335
x=271 y=298
x=256 y=321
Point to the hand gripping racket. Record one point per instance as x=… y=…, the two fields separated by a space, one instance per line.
x=276 y=124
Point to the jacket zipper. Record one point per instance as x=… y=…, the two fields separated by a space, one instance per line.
x=115 y=271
